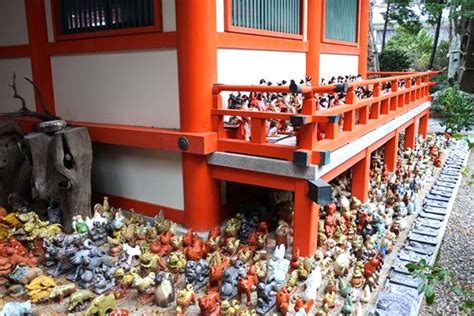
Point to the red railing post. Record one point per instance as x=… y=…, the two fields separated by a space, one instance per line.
x=375 y=108
x=258 y=131
x=349 y=116
x=217 y=120
x=426 y=89
x=418 y=89
x=408 y=93
x=308 y=132
x=393 y=100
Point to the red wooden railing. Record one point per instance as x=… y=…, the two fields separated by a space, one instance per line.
x=343 y=123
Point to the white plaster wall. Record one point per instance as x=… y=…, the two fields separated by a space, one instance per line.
x=13 y=23
x=133 y=88
x=240 y=66
x=142 y=174
x=220 y=15
x=49 y=20
x=335 y=65
x=169 y=15
x=22 y=68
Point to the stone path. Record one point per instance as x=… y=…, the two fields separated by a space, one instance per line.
x=457 y=250
x=400 y=296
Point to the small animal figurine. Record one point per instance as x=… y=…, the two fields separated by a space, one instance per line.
x=164 y=291
x=230 y=308
x=197 y=273
x=341 y=264
x=302 y=304
x=329 y=300
x=79 y=299
x=312 y=284
x=100 y=305
x=184 y=298
x=132 y=253
x=278 y=266
x=16 y=309
x=209 y=304
x=245 y=285
x=348 y=308
x=344 y=288
x=62 y=291
x=283 y=300
x=295 y=260
x=330 y=220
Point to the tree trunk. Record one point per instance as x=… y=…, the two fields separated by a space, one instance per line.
x=435 y=40
x=62 y=164
x=373 y=55
x=15 y=169
x=385 y=25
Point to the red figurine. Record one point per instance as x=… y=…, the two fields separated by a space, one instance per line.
x=295 y=260
x=245 y=285
x=209 y=304
x=330 y=220
x=283 y=300
x=306 y=305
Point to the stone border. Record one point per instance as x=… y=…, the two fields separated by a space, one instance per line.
x=424 y=239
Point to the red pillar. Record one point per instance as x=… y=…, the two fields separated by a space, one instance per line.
x=363 y=36
x=423 y=128
x=360 y=178
x=410 y=136
x=197 y=69
x=314 y=40
x=306 y=220
x=391 y=153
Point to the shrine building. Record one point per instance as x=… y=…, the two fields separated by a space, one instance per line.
x=150 y=80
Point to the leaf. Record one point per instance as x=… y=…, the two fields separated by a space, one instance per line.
x=429 y=294
x=458 y=291
x=421 y=287
x=411 y=267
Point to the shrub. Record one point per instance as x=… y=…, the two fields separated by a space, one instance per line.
x=456 y=109
x=393 y=60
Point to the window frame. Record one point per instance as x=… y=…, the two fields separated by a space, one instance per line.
x=324 y=39
x=228 y=27
x=156 y=27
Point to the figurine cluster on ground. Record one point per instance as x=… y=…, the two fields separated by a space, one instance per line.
x=242 y=268
x=292 y=102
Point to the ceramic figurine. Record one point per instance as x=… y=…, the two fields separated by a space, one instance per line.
x=312 y=284
x=278 y=266
x=176 y=262
x=79 y=225
x=341 y=264
x=163 y=225
x=357 y=278
x=98 y=233
x=283 y=300
x=79 y=299
x=176 y=242
x=304 y=269
x=62 y=291
x=295 y=260
x=281 y=234
x=261 y=270
x=331 y=283
x=184 y=298
x=266 y=293
x=330 y=220
x=245 y=285
x=151 y=263
x=101 y=305
x=373 y=265
x=244 y=254
x=132 y=254
x=231 y=246
x=55 y=215
x=16 y=309
x=329 y=300
x=292 y=280
x=197 y=273
x=195 y=251
x=347 y=308
x=209 y=304
x=40 y=288
x=229 y=280
x=164 y=291
x=214 y=239
x=233 y=225
x=145 y=288
x=218 y=263
x=344 y=287
x=115 y=246
x=303 y=307
x=230 y=308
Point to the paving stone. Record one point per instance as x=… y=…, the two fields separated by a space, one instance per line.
x=437 y=197
x=440 y=193
x=404 y=279
x=449 y=180
x=431 y=216
x=445 y=184
x=438 y=187
x=435 y=210
x=420 y=247
x=393 y=303
x=412 y=256
x=438 y=204
x=424 y=238
x=405 y=290
x=433 y=223
x=399 y=265
x=425 y=230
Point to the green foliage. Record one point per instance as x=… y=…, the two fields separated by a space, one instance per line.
x=431 y=275
x=457 y=110
x=402 y=12
x=393 y=60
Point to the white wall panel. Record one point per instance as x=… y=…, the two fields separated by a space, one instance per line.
x=169 y=15
x=142 y=174
x=220 y=15
x=139 y=88
x=22 y=68
x=13 y=23
x=335 y=65
x=239 y=66
x=49 y=20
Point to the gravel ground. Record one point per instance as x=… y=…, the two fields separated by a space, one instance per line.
x=457 y=251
